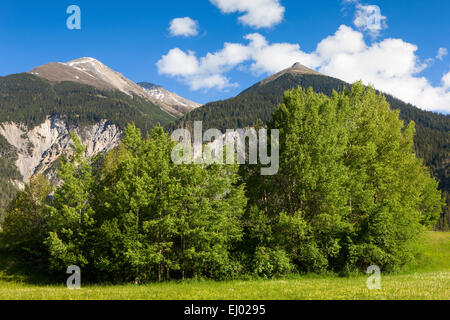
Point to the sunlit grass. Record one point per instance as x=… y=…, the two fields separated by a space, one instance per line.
x=429 y=278
x=415 y=286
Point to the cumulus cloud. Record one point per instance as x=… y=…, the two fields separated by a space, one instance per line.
x=209 y=71
x=256 y=13
x=178 y=63
x=185 y=27
x=446 y=80
x=442 y=52
x=205 y=73
x=391 y=65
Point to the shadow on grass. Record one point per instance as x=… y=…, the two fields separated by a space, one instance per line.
x=13 y=269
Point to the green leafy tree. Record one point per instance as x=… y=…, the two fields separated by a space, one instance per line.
x=25 y=225
x=160 y=220
x=350 y=191
x=71 y=214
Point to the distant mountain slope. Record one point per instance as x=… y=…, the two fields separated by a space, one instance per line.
x=171 y=101
x=90 y=71
x=257 y=103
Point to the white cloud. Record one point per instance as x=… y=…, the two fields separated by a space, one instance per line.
x=442 y=52
x=211 y=81
x=369 y=18
x=446 y=80
x=271 y=58
x=205 y=73
x=391 y=65
x=209 y=71
x=178 y=63
x=257 y=13
x=185 y=27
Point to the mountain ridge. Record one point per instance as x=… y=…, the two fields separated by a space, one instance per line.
x=170 y=100
x=92 y=72
x=296 y=69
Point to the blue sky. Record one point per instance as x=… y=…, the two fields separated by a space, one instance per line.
x=391 y=44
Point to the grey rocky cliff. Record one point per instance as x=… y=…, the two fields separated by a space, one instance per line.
x=38 y=148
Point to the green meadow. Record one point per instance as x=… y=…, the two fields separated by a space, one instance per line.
x=428 y=278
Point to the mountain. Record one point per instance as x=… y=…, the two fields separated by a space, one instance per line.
x=40 y=108
x=92 y=72
x=296 y=69
x=168 y=100
x=256 y=104
x=88 y=71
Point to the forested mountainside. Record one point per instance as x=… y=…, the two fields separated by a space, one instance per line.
x=28 y=99
x=35 y=107
x=256 y=104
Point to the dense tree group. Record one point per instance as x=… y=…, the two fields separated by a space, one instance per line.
x=256 y=104
x=350 y=193
x=139 y=218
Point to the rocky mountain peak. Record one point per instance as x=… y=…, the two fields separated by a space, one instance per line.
x=296 y=69
x=92 y=72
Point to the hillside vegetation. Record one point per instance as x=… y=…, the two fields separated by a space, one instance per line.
x=28 y=99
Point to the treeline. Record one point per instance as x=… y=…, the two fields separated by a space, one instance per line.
x=256 y=104
x=349 y=193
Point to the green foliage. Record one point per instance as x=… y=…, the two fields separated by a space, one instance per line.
x=268 y=262
x=71 y=216
x=256 y=104
x=140 y=218
x=165 y=220
x=8 y=173
x=350 y=193
x=350 y=190
x=24 y=224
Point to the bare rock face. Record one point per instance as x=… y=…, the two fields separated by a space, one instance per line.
x=39 y=148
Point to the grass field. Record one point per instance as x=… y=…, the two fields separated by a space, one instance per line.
x=429 y=278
